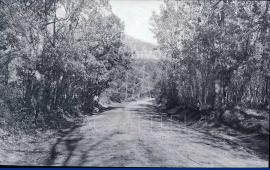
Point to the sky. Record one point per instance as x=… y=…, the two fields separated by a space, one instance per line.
x=136 y=16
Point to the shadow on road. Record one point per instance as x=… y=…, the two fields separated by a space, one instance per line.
x=84 y=156
x=70 y=145
x=70 y=141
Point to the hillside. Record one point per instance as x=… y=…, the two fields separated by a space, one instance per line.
x=143 y=50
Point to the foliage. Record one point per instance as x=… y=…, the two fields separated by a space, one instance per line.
x=57 y=56
x=217 y=53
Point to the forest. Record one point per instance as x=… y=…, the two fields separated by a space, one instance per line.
x=76 y=89
x=217 y=53
x=216 y=69
x=56 y=57
x=59 y=57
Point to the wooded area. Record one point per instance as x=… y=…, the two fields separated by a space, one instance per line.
x=56 y=57
x=78 y=88
x=217 y=53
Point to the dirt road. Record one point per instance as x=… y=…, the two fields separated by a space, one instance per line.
x=132 y=135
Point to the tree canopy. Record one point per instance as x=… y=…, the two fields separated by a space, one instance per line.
x=57 y=56
x=217 y=53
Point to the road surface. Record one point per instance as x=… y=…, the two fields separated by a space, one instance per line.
x=131 y=134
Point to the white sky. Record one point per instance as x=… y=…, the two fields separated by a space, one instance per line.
x=136 y=15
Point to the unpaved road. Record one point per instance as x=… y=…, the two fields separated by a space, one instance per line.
x=131 y=135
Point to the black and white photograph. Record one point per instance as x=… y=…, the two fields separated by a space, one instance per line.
x=134 y=83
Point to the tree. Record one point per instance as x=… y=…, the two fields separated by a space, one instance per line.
x=57 y=56
x=216 y=52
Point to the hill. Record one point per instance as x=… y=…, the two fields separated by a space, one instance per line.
x=142 y=50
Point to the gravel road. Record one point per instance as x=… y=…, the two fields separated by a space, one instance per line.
x=131 y=134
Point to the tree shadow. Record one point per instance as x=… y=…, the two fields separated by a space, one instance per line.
x=70 y=144
x=85 y=154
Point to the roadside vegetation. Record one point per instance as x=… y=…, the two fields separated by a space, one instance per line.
x=59 y=59
x=217 y=65
x=56 y=58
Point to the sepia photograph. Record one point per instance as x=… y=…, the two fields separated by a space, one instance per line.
x=134 y=83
